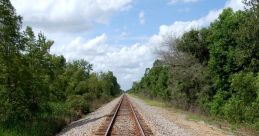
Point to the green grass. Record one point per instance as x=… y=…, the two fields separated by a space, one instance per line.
x=151 y=102
x=189 y=115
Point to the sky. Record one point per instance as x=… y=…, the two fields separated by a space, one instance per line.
x=122 y=36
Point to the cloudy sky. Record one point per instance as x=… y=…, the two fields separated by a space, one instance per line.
x=117 y=35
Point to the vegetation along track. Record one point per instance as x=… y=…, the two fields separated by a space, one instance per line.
x=124 y=120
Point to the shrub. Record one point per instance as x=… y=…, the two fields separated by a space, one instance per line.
x=240 y=107
x=234 y=109
x=78 y=104
x=217 y=103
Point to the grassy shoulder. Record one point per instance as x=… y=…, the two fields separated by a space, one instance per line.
x=236 y=129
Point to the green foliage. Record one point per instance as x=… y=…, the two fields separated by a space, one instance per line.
x=78 y=104
x=213 y=70
x=240 y=107
x=41 y=92
x=218 y=102
x=181 y=77
x=190 y=83
x=155 y=82
x=194 y=42
x=234 y=64
x=10 y=60
x=222 y=59
x=30 y=93
x=244 y=86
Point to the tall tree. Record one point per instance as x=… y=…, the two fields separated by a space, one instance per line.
x=10 y=61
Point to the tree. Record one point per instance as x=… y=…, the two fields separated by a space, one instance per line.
x=223 y=47
x=194 y=42
x=39 y=89
x=36 y=59
x=10 y=62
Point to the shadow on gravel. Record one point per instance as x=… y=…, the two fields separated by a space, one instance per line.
x=78 y=124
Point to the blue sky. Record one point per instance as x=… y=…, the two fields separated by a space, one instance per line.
x=118 y=35
x=156 y=12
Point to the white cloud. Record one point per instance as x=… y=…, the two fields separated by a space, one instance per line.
x=141 y=17
x=127 y=62
x=68 y=15
x=235 y=4
x=179 y=27
x=184 y=1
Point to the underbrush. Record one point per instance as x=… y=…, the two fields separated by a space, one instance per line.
x=38 y=127
x=47 y=124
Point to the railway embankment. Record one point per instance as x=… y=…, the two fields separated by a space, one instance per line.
x=160 y=121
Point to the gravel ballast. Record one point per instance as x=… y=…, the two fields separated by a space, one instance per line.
x=88 y=125
x=159 y=125
x=165 y=123
x=124 y=124
x=161 y=121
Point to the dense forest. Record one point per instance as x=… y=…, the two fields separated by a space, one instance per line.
x=213 y=70
x=40 y=92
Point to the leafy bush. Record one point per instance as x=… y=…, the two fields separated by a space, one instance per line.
x=78 y=104
x=217 y=103
x=242 y=106
x=234 y=109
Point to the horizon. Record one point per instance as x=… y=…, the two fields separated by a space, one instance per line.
x=100 y=31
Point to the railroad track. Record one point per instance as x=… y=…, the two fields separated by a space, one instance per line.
x=124 y=120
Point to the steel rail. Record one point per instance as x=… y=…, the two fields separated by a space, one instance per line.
x=113 y=118
x=115 y=114
x=137 y=120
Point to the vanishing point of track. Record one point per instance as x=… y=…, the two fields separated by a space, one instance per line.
x=124 y=120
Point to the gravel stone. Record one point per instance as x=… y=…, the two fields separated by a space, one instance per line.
x=159 y=125
x=124 y=124
x=161 y=121
x=169 y=123
x=88 y=125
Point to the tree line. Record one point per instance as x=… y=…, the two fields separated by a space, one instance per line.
x=213 y=70
x=41 y=92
